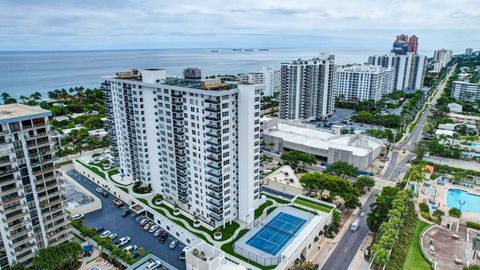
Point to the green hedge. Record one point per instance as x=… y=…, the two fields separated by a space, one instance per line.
x=261 y=208
x=473 y=225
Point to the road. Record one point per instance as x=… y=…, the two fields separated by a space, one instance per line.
x=396 y=166
x=343 y=254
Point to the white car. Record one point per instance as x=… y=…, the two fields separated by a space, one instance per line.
x=113 y=236
x=130 y=248
x=78 y=216
x=122 y=241
x=105 y=234
x=153 y=265
x=153 y=228
x=173 y=244
x=99 y=190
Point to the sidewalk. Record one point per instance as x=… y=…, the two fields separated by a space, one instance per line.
x=359 y=262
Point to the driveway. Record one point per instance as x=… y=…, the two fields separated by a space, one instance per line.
x=343 y=254
x=109 y=217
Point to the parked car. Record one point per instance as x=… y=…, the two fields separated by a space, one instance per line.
x=126 y=213
x=130 y=248
x=122 y=241
x=153 y=228
x=173 y=244
x=99 y=229
x=113 y=236
x=78 y=216
x=105 y=234
x=147 y=226
x=99 y=190
x=105 y=194
x=163 y=237
x=144 y=222
x=140 y=218
x=117 y=202
x=158 y=232
x=153 y=265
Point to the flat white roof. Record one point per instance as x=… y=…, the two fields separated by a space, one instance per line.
x=19 y=110
x=317 y=138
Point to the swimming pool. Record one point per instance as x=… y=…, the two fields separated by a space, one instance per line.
x=94 y=268
x=276 y=233
x=463 y=200
x=475 y=144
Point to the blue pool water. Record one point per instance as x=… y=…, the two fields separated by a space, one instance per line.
x=455 y=197
x=276 y=233
x=94 y=268
x=475 y=144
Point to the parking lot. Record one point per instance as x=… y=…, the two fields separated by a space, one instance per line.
x=109 y=217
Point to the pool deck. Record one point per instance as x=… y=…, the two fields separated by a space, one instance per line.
x=441 y=195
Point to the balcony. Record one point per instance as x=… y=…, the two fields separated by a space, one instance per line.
x=183 y=199
x=178 y=124
x=181 y=174
x=214 y=109
x=217 y=210
x=217 y=203
x=215 y=173
x=178 y=131
x=183 y=186
x=215 y=181
x=182 y=192
x=215 y=165
x=180 y=146
x=215 y=216
x=214 y=195
x=214 y=157
x=212 y=100
x=182 y=180
x=213 y=125
x=181 y=166
x=213 y=117
x=20 y=215
x=214 y=134
x=214 y=150
x=8 y=171
x=214 y=142
x=216 y=188
x=177 y=109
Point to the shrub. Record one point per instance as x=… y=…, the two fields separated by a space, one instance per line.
x=473 y=225
x=455 y=212
x=138 y=188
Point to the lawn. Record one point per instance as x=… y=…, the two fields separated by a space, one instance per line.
x=313 y=205
x=261 y=208
x=93 y=169
x=415 y=258
x=278 y=200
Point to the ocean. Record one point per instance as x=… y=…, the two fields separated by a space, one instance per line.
x=22 y=73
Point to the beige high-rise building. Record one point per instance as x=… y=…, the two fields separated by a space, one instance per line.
x=31 y=207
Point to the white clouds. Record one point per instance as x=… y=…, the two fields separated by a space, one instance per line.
x=170 y=23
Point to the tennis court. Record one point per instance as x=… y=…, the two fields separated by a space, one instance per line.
x=276 y=233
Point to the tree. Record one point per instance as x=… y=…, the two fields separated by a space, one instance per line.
x=17 y=266
x=295 y=158
x=381 y=207
x=63 y=256
x=36 y=96
x=304 y=265
x=363 y=182
x=438 y=214
x=342 y=169
x=472 y=267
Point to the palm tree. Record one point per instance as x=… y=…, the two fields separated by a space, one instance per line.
x=23 y=98
x=36 y=96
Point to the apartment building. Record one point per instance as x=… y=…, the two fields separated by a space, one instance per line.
x=307 y=88
x=32 y=209
x=268 y=76
x=441 y=57
x=363 y=82
x=196 y=143
x=409 y=69
x=466 y=91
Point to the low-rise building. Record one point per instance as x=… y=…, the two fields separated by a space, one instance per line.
x=462 y=118
x=455 y=107
x=466 y=91
x=327 y=146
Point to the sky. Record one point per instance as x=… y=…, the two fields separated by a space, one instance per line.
x=152 y=24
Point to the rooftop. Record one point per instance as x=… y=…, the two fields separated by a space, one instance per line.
x=8 y=111
x=360 y=145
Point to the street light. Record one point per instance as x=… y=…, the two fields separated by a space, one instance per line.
x=461 y=203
